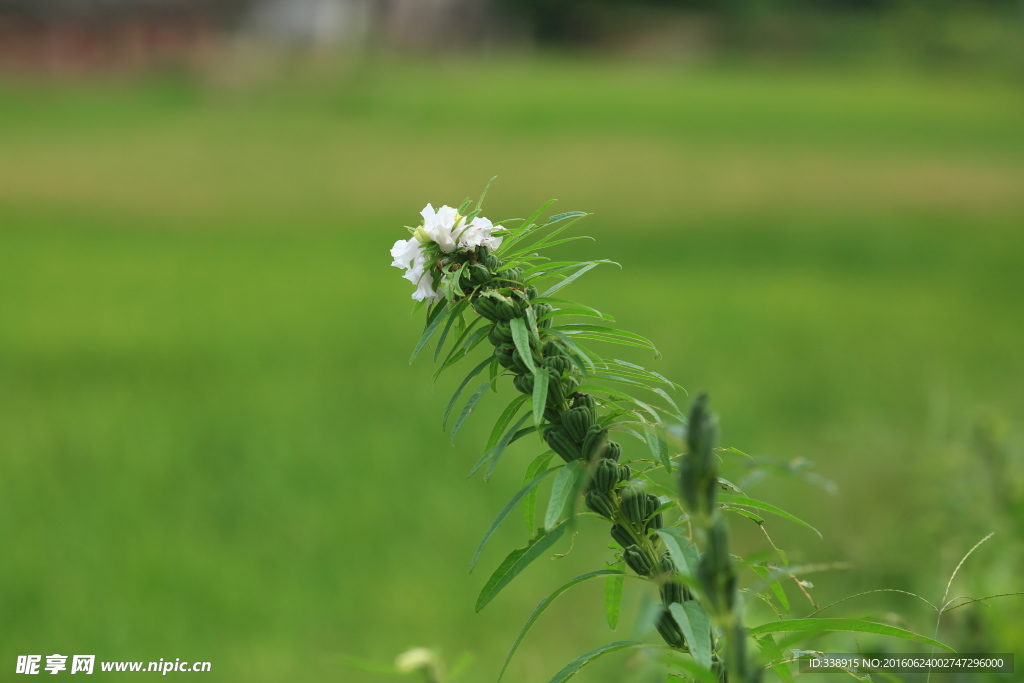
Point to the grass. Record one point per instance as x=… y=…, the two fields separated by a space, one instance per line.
x=212 y=445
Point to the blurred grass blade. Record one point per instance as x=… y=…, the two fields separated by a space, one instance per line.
x=545 y=603
x=506 y=510
x=516 y=562
x=848 y=625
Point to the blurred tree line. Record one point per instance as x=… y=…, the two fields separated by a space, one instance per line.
x=933 y=31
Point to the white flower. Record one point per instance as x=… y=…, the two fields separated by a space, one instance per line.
x=478 y=233
x=405 y=252
x=423 y=279
x=449 y=231
x=415 y=659
x=442 y=226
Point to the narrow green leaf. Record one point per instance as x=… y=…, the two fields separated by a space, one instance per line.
x=569 y=280
x=545 y=603
x=455 y=397
x=540 y=394
x=516 y=562
x=521 y=337
x=613 y=595
x=604 y=329
x=696 y=626
x=480 y=202
x=767 y=507
x=658 y=446
x=455 y=315
x=499 y=447
x=848 y=625
x=458 y=353
x=530 y=504
x=468 y=408
x=504 y=419
x=571 y=304
x=773 y=653
x=496 y=456
x=429 y=332
x=573 y=667
x=560 y=492
x=776 y=587
x=505 y=511
x=683 y=553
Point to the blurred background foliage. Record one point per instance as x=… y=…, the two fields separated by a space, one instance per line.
x=212 y=447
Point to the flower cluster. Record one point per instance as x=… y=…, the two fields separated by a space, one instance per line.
x=442 y=232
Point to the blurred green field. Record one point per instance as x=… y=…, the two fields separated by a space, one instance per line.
x=212 y=446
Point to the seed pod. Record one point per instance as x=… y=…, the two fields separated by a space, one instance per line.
x=532 y=293
x=666 y=565
x=551 y=348
x=669 y=629
x=673 y=591
x=558 y=365
x=637 y=560
x=577 y=422
x=599 y=502
x=556 y=392
x=606 y=475
x=491 y=261
x=517 y=363
x=655 y=522
x=523 y=383
x=515 y=273
x=634 y=506
x=506 y=309
x=502 y=332
x=552 y=415
x=561 y=443
x=652 y=503
x=625 y=474
x=595 y=443
x=621 y=536
x=504 y=355
x=479 y=274
x=487 y=308
x=584 y=401
x=613 y=452
x=539 y=311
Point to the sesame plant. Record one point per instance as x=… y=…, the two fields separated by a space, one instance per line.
x=490 y=295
